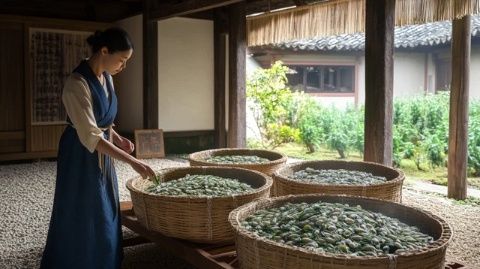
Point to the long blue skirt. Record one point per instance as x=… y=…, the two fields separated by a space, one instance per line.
x=85 y=228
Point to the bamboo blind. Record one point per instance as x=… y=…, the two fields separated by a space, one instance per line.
x=345 y=17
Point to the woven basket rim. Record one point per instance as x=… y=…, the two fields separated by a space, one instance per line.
x=268 y=184
x=278 y=175
x=441 y=242
x=196 y=157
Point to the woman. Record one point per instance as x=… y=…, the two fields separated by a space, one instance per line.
x=85 y=229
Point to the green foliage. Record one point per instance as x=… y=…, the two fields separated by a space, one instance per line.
x=420 y=124
x=474 y=138
x=310 y=123
x=273 y=106
x=420 y=130
x=346 y=131
x=337 y=129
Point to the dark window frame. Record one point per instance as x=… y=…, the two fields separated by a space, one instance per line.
x=353 y=64
x=443 y=74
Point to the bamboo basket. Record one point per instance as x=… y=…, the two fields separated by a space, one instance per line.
x=198 y=219
x=277 y=159
x=256 y=252
x=391 y=190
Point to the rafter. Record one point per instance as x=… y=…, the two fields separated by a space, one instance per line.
x=167 y=10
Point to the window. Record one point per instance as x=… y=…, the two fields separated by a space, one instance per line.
x=322 y=78
x=443 y=75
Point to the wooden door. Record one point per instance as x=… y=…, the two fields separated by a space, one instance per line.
x=12 y=90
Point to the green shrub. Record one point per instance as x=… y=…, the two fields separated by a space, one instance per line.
x=420 y=130
x=474 y=138
x=420 y=124
x=272 y=105
x=310 y=124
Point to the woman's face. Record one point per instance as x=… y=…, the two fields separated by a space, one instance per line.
x=114 y=63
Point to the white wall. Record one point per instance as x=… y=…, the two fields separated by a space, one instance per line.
x=361 y=80
x=474 y=74
x=409 y=74
x=317 y=58
x=252 y=65
x=129 y=83
x=338 y=102
x=185 y=74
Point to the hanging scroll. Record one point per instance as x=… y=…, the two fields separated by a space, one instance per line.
x=53 y=54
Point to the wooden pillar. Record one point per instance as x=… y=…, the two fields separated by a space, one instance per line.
x=220 y=42
x=150 y=68
x=379 y=48
x=458 y=124
x=237 y=74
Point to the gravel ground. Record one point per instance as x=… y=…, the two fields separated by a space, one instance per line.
x=26 y=197
x=464 y=220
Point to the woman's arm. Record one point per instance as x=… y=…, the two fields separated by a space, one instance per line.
x=122 y=142
x=117 y=139
x=107 y=148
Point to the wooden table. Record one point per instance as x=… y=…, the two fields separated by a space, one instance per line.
x=202 y=256
x=199 y=255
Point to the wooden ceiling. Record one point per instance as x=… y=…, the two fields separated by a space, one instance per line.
x=89 y=10
x=113 y=10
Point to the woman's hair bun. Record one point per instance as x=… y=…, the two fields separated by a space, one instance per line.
x=95 y=39
x=114 y=39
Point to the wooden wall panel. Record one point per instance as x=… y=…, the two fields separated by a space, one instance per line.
x=19 y=139
x=12 y=142
x=46 y=137
x=12 y=93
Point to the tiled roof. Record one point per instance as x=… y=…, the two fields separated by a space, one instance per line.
x=411 y=36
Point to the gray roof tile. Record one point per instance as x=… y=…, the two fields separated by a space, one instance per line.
x=410 y=36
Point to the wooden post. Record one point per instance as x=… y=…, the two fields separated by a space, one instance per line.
x=220 y=54
x=379 y=47
x=237 y=74
x=458 y=124
x=150 y=69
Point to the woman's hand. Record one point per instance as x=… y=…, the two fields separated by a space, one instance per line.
x=143 y=169
x=125 y=144
x=105 y=147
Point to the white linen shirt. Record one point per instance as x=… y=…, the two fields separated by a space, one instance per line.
x=77 y=100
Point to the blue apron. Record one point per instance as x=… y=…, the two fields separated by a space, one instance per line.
x=85 y=227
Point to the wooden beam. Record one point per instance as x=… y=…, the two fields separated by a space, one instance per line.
x=237 y=78
x=79 y=10
x=220 y=83
x=458 y=124
x=299 y=3
x=168 y=10
x=150 y=70
x=187 y=133
x=257 y=6
x=379 y=47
